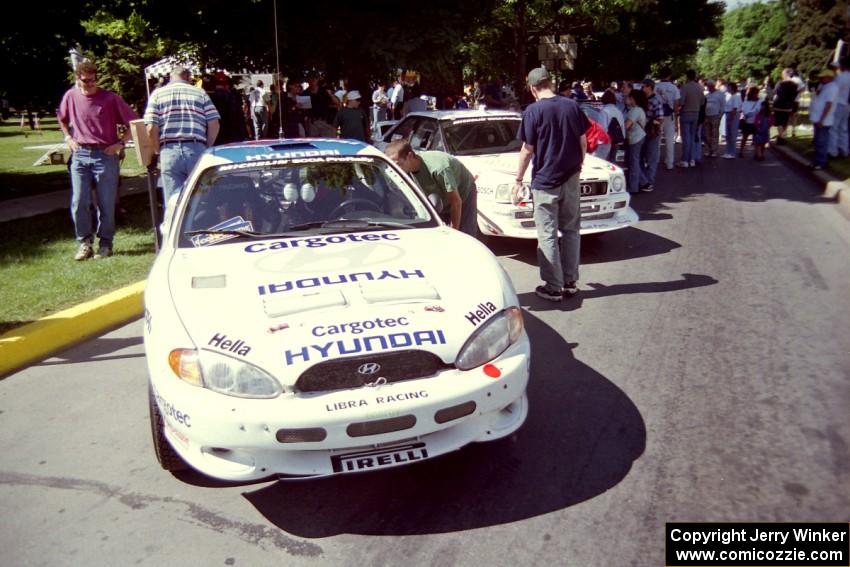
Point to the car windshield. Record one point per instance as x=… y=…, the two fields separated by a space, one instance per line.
x=475 y=136
x=593 y=112
x=297 y=196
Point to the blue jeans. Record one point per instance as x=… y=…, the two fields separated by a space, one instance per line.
x=688 y=123
x=260 y=117
x=558 y=209
x=176 y=161
x=92 y=168
x=838 y=139
x=650 y=154
x=821 y=143
x=633 y=163
x=469 y=213
x=698 y=138
x=732 y=119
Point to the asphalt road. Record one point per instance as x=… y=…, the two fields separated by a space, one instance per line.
x=703 y=374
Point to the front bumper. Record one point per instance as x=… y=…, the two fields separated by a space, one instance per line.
x=363 y=429
x=598 y=214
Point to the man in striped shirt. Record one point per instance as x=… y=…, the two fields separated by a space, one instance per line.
x=181 y=122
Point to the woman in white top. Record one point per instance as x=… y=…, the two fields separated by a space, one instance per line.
x=733 y=115
x=749 y=110
x=611 y=112
x=637 y=104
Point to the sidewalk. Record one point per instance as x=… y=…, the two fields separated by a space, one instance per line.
x=36 y=341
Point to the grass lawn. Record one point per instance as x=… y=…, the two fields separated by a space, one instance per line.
x=38 y=274
x=802 y=144
x=18 y=176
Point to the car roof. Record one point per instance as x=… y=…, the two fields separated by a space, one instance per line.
x=466 y=114
x=247 y=151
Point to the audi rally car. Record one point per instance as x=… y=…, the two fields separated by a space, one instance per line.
x=487 y=144
x=309 y=314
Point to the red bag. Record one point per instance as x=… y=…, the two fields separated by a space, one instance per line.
x=596 y=135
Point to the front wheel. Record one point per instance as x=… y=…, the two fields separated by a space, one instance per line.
x=165 y=453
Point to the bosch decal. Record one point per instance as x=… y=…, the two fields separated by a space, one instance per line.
x=357 y=345
x=481 y=314
x=376 y=458
x=357 y=327
x=235 y=346
x=318 y=241
x=306 y=283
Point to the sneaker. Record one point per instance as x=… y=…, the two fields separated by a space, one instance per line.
x=682 y=164
x=84 y=253
x=693 y=163
x=103 y=252
x=546 y=293
x=648 y=188
x=570 y=289
x=727 y=156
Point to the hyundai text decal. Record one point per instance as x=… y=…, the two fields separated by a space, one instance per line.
x=318 y=241
x=480 y=315
x=357 y=345
x=306 y=283
x=375 y=458
x=293 y=154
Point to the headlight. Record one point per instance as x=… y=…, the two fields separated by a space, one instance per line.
x=223 y=374
x=491 y=340
x=618 y=183
x=503 y=193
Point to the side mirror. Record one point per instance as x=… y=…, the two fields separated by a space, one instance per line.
x=437 y=202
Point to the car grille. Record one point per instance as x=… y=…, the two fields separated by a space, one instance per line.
x=602 y=216
x=593 y=188
x=343 y=373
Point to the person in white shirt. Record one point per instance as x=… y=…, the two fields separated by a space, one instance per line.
x=669 y=94
x=396 y=100
x=838 y=136
x=611 y=112
x=822 y=115
x=259 y=112
x=379 y=105
x=732 y=108
x=715 y=103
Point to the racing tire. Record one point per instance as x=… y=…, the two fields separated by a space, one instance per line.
x=165 y=453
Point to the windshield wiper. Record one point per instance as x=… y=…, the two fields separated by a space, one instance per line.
x=349 y=224
x=246 y=233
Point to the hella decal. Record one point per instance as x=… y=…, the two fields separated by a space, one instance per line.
x=357 y=327
x=235 y=346
x=481 y=314
x=364 y=344
x=306 y=283
x=318 y=241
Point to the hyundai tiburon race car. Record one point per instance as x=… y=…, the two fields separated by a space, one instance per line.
x=487 y=144
x=309 y=314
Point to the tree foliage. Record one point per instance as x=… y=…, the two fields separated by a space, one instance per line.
x=753 y=37
x=816 y=26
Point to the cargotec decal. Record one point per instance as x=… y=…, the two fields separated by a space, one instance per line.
x=169 y=410
x=342 y=347
x=306 y=283
x=318 y=241
x=480 y=314
x=357 y=327
x=376 y=458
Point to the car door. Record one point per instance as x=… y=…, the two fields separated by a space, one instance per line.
x=424 y=134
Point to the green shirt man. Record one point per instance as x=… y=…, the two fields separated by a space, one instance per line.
x=443 y=174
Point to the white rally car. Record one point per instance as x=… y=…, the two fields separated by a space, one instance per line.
x=487 y=144
x=309 y=314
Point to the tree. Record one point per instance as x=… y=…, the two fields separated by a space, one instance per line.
x=749 y=47
x=815 y=26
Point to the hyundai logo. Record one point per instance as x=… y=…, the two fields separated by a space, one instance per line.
x=368 y=368
x=586 y=189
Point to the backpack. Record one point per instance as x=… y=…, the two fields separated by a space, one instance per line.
x=615 y=132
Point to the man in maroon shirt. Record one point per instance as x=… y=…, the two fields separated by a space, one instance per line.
x=89 y=116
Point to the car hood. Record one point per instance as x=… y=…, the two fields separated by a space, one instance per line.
x=506 y=163
x=287 y=304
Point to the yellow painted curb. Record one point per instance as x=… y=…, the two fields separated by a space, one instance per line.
x=37 y=340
